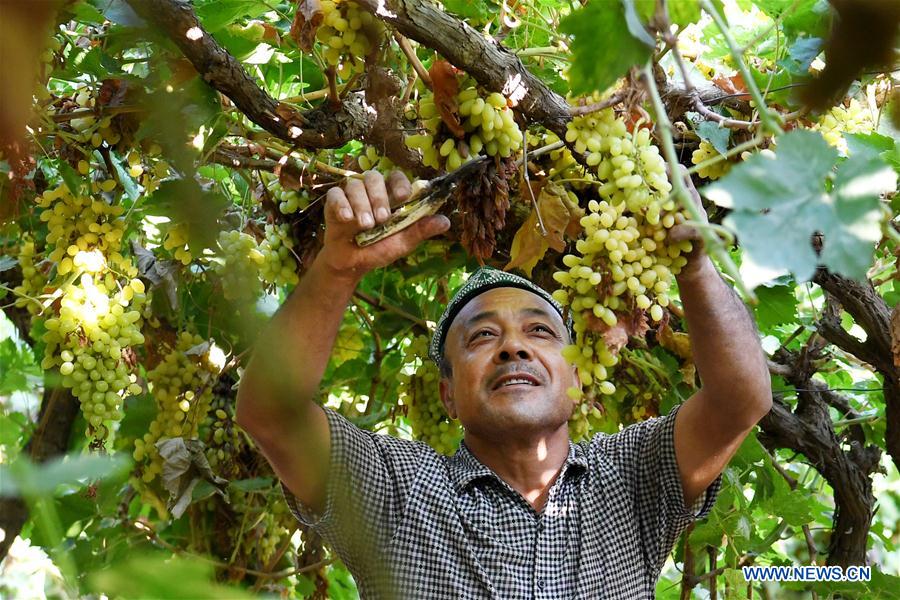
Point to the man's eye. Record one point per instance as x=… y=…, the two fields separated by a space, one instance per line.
x=483 y=331
x=544 y=327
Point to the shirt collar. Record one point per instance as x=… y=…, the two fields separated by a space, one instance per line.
x=464 y=468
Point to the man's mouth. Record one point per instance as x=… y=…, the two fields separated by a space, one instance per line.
x=516 y=379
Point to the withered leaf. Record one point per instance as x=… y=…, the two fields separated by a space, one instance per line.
x=561 y=218
x=307 y=18
x=445 y=86
x=160 y=273
x=633 y=324
x=675 y=341
x=184 y=466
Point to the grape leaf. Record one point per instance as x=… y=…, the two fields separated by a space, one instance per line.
x=218 y=13
x=716 y=135
x=477 y=10
x=596 y=66
x=776 y=306
x=780 y=203
x=559 y=215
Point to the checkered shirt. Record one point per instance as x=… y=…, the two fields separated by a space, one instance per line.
x=411 y=523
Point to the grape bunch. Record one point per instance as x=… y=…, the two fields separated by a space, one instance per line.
x=704 y=152
x=624 y=264
x=97 y=319
x=223 y=439
x=238 y=264
x=348 y=35
x=182 y=385
x=371 y=159
x=348 y=343
x=33 y=279
x=87 y=340
x=90 y=129
x=278 y=266
x=288 y=201
x=177 y=239
x=84 y=230
x=419 y=393
x=854 y=118
x=488 y=124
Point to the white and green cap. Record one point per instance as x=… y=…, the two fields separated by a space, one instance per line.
x=482 y=280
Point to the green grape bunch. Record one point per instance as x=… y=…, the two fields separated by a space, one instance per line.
x=487 y=121
x=348 y=35
x=279 y=266
x=182 y=385
x=238 y=264
x=704 y=152
x=288 y=201
x=624 y=263
x=97 y=321
x=419 y=394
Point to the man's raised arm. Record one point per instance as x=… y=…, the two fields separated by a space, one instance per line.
x=275 y=399
x=736 y=389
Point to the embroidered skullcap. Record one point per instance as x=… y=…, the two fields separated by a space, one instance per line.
x=482 y=280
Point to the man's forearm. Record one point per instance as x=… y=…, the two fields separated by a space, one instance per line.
x=725 y=344
x=292 y=352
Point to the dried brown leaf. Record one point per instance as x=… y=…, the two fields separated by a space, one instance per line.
x=307 y=18
x=445 y=86
x=560 y=216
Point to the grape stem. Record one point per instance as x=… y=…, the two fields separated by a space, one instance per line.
x=410 y=54
x=769 y=122
x=527 y=181
x=714 y=246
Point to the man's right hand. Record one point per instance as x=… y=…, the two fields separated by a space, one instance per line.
x=359 y=206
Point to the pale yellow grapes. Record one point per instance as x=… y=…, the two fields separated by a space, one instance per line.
x=419 y=394
x=288 y=201
x=348 y=35
x=624 y=263
x=238 y=265
x=487 y=121
x=704 y=152
x=182 y=386
x=278 y=266
x=97 y=318
x=371 y=159
x=177 y=239
x=854 y=118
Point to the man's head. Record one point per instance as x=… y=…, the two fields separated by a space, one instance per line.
x=501 y=364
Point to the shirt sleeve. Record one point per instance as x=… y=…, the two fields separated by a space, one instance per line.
x=369 y=478
x=644 y=456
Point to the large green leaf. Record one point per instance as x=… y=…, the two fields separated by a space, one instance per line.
x=216 y=14
x=780 y=203
x=603 y=47
x=777 y=305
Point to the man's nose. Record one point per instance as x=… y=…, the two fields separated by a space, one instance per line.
x=513 y=348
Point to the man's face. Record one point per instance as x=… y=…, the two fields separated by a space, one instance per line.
x=502 y=334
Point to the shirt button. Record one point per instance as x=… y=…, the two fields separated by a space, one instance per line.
x=540 y=584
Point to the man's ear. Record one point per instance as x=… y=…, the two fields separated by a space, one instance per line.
x=577 y=378
x=446 y=389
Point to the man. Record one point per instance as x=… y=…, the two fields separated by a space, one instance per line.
x=520 y=511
